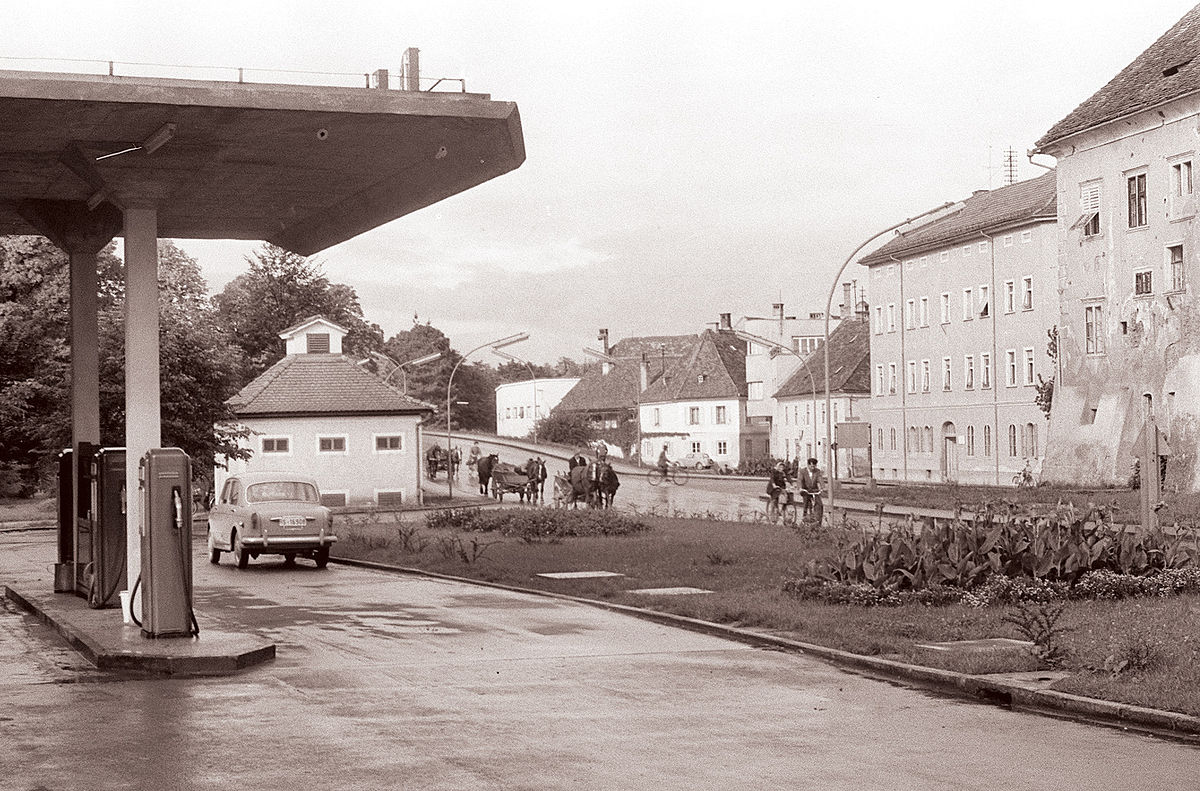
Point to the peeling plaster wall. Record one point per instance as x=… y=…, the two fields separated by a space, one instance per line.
x=1150 y=342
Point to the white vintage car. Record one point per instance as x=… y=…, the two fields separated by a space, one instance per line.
x=270 y=513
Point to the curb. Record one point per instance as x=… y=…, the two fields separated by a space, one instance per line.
x=1062 y=705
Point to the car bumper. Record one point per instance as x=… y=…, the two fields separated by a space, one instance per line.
x=284 y=543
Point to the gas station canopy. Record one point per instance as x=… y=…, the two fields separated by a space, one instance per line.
x=302 y=167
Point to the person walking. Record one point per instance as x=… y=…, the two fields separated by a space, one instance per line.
x=541 y=479
x=777 y=484
x=810 y=490
x=578 y=460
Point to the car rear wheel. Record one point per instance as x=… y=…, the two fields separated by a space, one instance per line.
x=240 y=552
x=322 y=557
x=214 y=554
x=289 y=559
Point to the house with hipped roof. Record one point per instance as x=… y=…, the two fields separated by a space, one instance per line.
x=318 y=412
x=1127 y=268
x=698 y=404
x=802 y=417
x=961 y=306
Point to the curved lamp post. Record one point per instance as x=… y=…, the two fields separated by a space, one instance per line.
x=828 y=307
x=532 y=380
x=428 y=358
x=782 y=348
x=496 y=344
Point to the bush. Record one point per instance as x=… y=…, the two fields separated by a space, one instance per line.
x=536 y=524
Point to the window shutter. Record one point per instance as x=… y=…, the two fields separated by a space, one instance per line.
x=1089 y=198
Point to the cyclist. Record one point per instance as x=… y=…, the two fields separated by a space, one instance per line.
x=663 y=462
x=777 y=484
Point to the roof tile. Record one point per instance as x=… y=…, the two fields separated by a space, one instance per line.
x=849 y=363
x=321 y=383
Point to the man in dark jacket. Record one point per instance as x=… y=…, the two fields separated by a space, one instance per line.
x=809 y=482
x=578 y=460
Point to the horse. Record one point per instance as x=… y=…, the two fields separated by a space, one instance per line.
x=485 y=466
x=580 y=486
x=562 y=493
x=602 y=484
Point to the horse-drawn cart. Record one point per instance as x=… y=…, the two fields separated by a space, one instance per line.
x=509 y=479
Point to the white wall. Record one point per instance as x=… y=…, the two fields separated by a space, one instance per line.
x=675 y=418
x=515 y=414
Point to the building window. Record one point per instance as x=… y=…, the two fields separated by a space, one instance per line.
x=880 y=382
x=389 y=442
x=1008 y=240
x=331 y=444
x=878 y=320
x=1138 y=215
x=1029 y=372
x=1010 y=296
x=983 y=247
x=1175 y=253
x=891 y=379
x=912 y=376
x=1012 y=440
x=1143 y=283
x=317 y=342
x=969 y=372
x=693 y=415
x=946 y=307
x=985 y=370
x=879 y=439
x=722 y=447
x=892 y=437
x=1010 y=367
x=891 y=317
x=1027 y=292
x=970 y=440
x=1029 y=441
x=1181 y=178
x=984 y=301
x=924 y=311
x=695 y=447
x=754 y=391
x=928 y=439
x=968 y=304
x=275 y=445
x=946 y=374
x=924 y=376
x=914 y=439
x=987 y=441
x=1089 y=205
x=721 y=417
x=1026 y=237
x=909 y=317
x=966 y=251
x=1093 y=329
x=657 y=416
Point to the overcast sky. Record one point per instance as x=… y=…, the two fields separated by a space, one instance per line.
x=684 y=159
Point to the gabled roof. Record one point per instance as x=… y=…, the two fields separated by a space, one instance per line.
x=1167 y=70
x=1034 y=199
x=849 y=364
x=715 y=367
x=304 y=323
x=311 y=384
x=597 y=391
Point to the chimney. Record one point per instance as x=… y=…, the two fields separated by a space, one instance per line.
x=726 y=323
x=777 y=311
x=644 y=372
x=847 y=305
x=380 y=79
x=412 y=69
x=603 y=338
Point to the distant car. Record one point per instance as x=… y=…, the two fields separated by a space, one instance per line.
x=699 y=461
x=270 y=513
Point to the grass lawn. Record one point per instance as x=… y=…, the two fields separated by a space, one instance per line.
x=744 y=565
x=947 y=496
x=26 y=510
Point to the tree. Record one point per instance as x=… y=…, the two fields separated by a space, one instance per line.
x=474 y=383
x=1044 y=389
x=565 y=428
x=280 y=289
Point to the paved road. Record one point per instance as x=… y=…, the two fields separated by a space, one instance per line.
x=403 y=682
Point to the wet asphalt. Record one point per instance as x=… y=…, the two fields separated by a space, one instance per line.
x=390 y=681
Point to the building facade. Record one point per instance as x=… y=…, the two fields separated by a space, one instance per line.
x=319 y=413
x=961 y=308
x=521 y=404
x=1127 y=268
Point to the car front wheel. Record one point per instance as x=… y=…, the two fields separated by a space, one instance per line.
x=214 y=554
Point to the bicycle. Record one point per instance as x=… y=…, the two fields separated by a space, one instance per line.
x=1024 y=478
x=785 y=510
x=675 y=474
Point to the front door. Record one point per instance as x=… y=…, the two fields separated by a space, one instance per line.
x=949 y=453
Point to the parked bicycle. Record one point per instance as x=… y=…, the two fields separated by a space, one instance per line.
x=675 y=474
x=1024 y=478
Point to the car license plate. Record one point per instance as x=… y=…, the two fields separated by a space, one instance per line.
x=291 y=521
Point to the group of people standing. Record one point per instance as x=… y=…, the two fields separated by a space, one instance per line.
x=808 y=480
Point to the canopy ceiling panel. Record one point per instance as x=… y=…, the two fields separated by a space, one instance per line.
x=303 y=167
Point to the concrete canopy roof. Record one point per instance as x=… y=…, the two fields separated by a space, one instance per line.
x=299 y=166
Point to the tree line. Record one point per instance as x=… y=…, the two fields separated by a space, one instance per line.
x=210 y=347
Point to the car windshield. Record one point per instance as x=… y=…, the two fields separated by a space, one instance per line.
x=293 y=491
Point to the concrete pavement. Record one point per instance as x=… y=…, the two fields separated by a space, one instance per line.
x=386 y=681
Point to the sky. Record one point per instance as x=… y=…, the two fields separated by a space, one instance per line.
x=683 y=159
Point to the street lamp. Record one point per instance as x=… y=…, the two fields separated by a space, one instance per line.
x=533 y=380
x=828 y=307
x=782 y=348
x=496 y=344
x=428 y=358
x=637 y=401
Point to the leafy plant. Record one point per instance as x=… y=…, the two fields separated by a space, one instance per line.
x=1037 y=622
x=411 y=540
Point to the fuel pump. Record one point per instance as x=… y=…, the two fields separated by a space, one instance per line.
x=164 y=489
x=105 y=575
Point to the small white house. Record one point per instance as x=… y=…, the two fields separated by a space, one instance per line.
x=521 y=404
x=320 y=413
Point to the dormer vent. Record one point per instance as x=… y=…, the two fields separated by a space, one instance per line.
x=1171 y=71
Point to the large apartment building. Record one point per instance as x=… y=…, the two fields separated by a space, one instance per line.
x=961 y=307
x=1127 y=235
